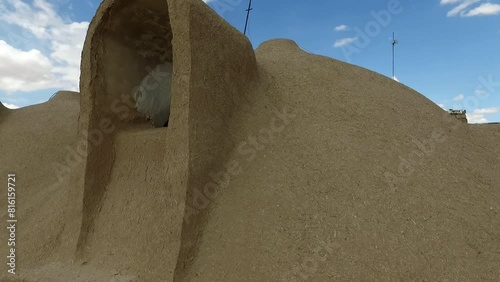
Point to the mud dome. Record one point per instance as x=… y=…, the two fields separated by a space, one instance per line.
x=135 y=39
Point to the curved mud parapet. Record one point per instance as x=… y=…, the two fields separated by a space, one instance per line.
x=64 y=96
x=3 y=111
x=37 y=144
x=223 y=87
x=135 y=178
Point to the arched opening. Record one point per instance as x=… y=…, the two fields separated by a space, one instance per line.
x=136 y=65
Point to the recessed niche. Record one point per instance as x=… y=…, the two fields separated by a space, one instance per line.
x=135 y=62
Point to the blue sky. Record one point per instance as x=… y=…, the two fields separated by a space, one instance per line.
x=448 y=50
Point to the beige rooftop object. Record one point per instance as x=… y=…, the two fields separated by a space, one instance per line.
x=276 y=165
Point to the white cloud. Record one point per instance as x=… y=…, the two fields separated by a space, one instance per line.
x=486 y=111
x=464 y=4
x=476 y=118
x=464 y=8
x=480 y=92
x=485 y=9
x=478 y=115
x=459 y=97
x=341 y=27
x=24 y=70
x=11 y=106
x=33 y=70
x=344 y=41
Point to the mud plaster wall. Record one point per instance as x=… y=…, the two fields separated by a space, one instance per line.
x=4 y=111
x=2 y=108
x=214 y=70
x=124 y=42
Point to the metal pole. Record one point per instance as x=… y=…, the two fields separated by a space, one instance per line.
x=248 y=15
x=394 y=42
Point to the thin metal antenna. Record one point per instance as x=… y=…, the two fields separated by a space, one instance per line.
x=394 y=42
x=248 y=15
